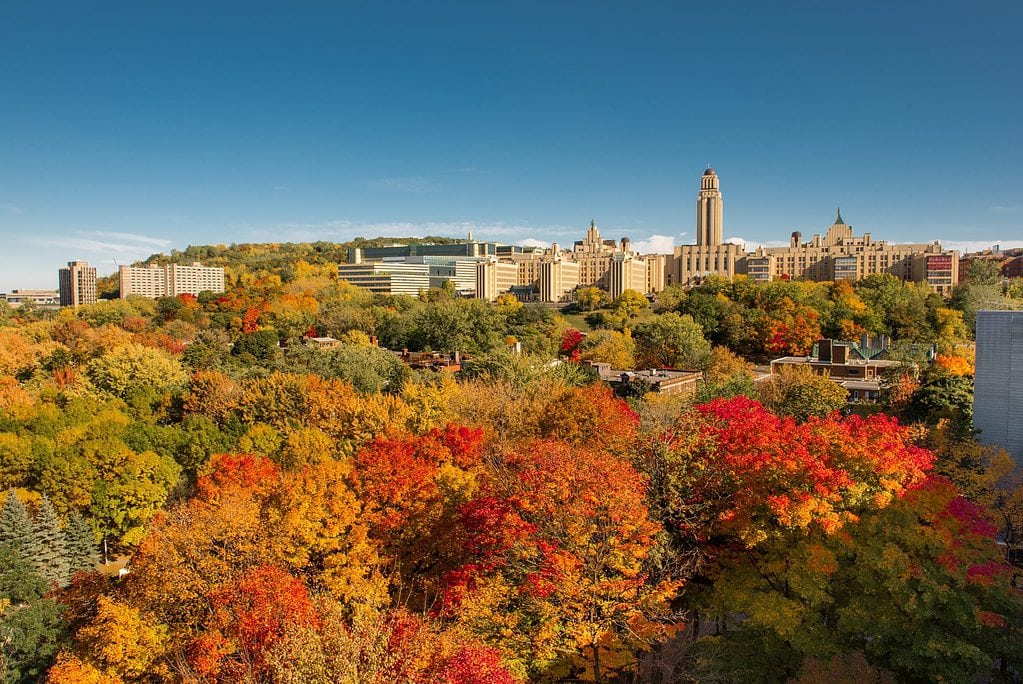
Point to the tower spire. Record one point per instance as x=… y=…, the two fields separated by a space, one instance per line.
x=838 y=218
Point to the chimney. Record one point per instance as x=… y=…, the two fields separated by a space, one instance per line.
x=458 y=356
x=373 y=340
x=796 y=239
x=824 y=350
x=839 y=353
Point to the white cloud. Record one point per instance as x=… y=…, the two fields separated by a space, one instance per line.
x=750 y=245
x=979 y=245
x=1006 y=209
x=655 y=244
x=533 y=242
x=105 y=242
x=11 y=208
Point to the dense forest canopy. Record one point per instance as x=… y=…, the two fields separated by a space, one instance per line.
x=294 y=514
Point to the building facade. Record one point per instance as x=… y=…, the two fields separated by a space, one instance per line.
x=77 y=283
x=711 y=255
x=169 y=280
x=36 y=297
x=998 y=381
x=840 y=255
x=494 y=278
x=387 y=278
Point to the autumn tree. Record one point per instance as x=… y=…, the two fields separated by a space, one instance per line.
x=799 y=392
x=554 y=560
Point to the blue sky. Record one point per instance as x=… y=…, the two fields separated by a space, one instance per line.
x=128 y=128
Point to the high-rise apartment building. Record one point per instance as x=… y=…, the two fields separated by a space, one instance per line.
x=77 y=284
x=169 y=280
x=998 y=381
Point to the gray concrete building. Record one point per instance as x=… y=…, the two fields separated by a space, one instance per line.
x=998 y=381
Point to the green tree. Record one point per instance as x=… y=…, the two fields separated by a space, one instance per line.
x=671 y=340
x=80 y=542
x=801 y=393
x=15 y=525
x=31 y=628
x=46 y=549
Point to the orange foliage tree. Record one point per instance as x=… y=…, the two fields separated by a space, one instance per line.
x=554 y=551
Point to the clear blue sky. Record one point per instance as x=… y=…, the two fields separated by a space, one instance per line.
x=128 y=128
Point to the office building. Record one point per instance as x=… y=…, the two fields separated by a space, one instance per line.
x=77 y=283
x=387 y=278
x=998 y=381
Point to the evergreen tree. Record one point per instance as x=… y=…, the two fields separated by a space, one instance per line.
x=31 y=626
x=47 y=550
x=15 y=525
x=80 y=541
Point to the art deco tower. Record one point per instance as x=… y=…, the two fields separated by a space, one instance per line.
x=708 y=210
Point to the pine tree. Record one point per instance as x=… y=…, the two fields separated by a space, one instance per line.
x=47 y=550
x=80 y=541
x=15 y=525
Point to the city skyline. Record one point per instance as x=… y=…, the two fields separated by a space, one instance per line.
x=131 y=132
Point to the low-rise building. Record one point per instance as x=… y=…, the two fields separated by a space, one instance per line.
x=857 y=367
x=37 y=297
x=387 y=278
x=656 y=380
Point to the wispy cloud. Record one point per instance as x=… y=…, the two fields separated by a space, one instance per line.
x=106 y=242
x=414 y=184
x=1006 y=208
x=280 y=188
x=343 y=229
x=11 y=208
x=980 y=245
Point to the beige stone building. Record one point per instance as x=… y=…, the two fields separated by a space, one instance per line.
x=77 y=284
x=169 y=280
x=626 y=272
x=840 y=255
x=494 y=278
x=558 y=279
x=553 y=274
x=711 y=255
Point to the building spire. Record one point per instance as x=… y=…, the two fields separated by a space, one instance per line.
x=838 y=218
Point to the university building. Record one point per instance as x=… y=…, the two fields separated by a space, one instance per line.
x=838 y=255
x=77 y=283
